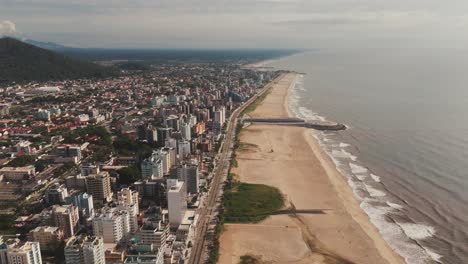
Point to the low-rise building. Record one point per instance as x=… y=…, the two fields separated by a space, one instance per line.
x=18 y=173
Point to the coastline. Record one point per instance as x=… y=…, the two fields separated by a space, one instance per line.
x=343 y=234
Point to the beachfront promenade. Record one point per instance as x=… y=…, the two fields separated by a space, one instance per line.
x=209 y=209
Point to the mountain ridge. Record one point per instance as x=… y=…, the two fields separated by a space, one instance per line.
x=20 y=61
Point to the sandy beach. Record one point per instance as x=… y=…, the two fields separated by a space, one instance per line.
x=291 y=160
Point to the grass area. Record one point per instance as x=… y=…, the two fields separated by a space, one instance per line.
x=255 y=103
x=245 y=202
x=248 y=259
x=246 y=146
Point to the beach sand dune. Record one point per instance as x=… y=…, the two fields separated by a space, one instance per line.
x=291 y=160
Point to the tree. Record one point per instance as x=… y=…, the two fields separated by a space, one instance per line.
x=40 y=165
x=22 y=161
x=129 y=175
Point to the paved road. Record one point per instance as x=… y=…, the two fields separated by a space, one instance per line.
x=208 y=210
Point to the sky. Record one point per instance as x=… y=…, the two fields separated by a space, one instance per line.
x=302 y=24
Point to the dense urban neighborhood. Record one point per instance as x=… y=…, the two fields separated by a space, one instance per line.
x=116 y=170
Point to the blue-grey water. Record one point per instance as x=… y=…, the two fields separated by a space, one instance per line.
x=405 y=153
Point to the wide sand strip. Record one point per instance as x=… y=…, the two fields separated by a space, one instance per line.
x=291 y=160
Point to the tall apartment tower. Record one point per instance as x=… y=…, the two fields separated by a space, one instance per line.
x=127 y=196
x=128 y=201
x=99 y=186
x=186 y=131
x=189 y=174
x=66 y=218
x=85 y=250
x=28 y=253
x=152 y=168
x=176 y=201
x=85 y=205
x=112 y=225
x=183 y=149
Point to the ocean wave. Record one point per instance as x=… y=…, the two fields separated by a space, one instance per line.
x=417 y=231
x=357 y=169
x=344 y=145
x=395 y=205
x=374 y=201
x=373 y=192
x=375 y=177
x=393 y=233
x=343 y=154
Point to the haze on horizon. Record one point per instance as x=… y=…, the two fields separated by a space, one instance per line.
x=238 y=24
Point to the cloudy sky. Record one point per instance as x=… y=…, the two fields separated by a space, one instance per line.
x=237 y=23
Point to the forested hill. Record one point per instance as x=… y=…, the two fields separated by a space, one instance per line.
x=20 y=61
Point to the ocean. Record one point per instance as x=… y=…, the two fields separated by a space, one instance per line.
x=405 y=152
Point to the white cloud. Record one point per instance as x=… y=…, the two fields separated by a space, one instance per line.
x=7 y=27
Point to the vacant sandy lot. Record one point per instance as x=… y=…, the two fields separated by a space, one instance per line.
x=289 y=159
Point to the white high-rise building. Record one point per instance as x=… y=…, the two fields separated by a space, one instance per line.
x=85 y=250
x=220 y=115
x=186 y=131
x=189 y=174
x=154 y=233
x=184 y=149
x=27 y=253
x=128 y=200
x=177 y=201
x=127 y=196
x=112 y=225
x=192 y=120
x=165 y=158
x=152 y=168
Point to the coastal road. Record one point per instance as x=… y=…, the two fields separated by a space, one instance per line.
x=208 y=210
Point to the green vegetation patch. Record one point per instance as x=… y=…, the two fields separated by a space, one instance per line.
x=245 y=202
x=246 y=146
x=22 y=161
x=96 y=134
x=6 y=224
x=255 y=103
x=248 y=259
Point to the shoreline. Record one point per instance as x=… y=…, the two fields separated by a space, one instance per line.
x=339 y=182
x=314 y=240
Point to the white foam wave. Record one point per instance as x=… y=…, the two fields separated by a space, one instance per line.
x=343 y=154
x=417 y=231
x=349 y=155
x=375 y=192
x=308 y=114
x=344 y=145
x=361 y=177
x=411 y=252
x=433 y=254
x=357 y=169
x=395 y=205
x=375 y=177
